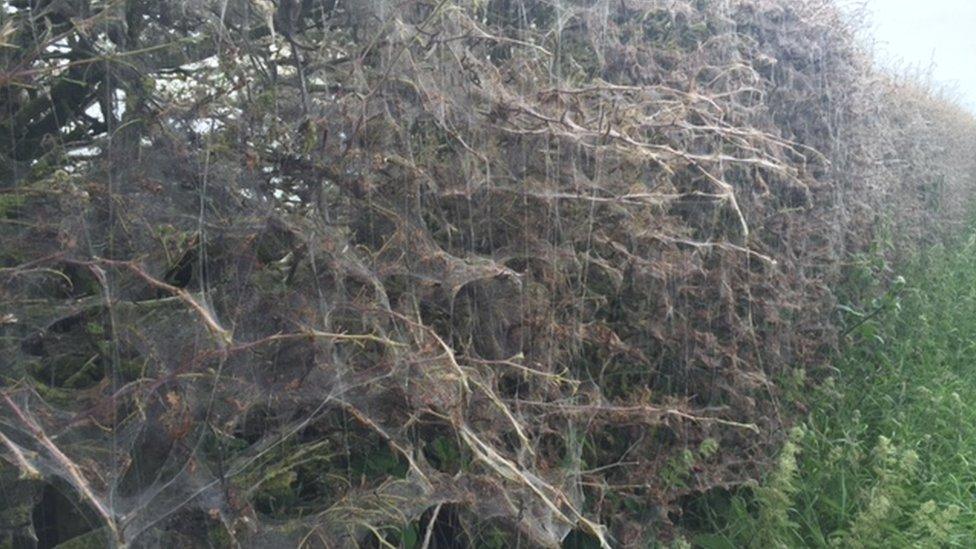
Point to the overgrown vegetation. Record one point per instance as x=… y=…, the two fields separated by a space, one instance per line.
x=885 y=457
x=472 y=272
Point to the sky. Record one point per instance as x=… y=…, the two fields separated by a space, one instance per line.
x=936 y=33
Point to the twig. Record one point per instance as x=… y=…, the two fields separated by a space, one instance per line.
x=69 y=467
x=430 y=526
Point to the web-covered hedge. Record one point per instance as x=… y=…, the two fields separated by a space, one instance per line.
x=477 y=273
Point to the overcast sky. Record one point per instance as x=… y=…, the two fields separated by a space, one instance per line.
x=931 y=32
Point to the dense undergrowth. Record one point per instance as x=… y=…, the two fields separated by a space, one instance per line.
x=885 y=457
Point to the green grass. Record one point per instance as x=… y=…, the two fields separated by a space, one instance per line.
x=887 y=456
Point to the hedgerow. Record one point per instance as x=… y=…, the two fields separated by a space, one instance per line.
x=475 y=272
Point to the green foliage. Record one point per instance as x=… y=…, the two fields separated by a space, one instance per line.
x=883 y=459
x=277 y=490
x=9 y=203
x=675 y=472
x=446 y=455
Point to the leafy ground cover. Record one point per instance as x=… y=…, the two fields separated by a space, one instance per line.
x=885 y=457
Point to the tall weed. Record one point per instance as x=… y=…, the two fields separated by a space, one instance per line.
x=885 y=457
